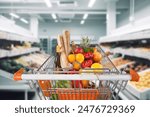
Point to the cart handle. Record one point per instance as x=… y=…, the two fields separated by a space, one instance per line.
x=133 y=76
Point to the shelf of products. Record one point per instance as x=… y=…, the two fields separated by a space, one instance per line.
x=9 y=66
x=132 y=53
x=141 y=89
x=140 y=49
x=144 y=34
x=137 y=52
x=135 y=90
x=120 y=62
x=137 y=31
x=10 y=31
x=16 y=37
x=15 y=48
x=17 y=52
x=18 y=49
x=28 y=62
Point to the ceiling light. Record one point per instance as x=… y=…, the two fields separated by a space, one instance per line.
x=56 y=21
x=85 y=16
x=23 y=20
x=91 y=3
x=54 y=16
x=82 y=22
x=14 y=15
x=48 y=3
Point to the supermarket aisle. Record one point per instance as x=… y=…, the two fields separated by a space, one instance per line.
x=31 y=30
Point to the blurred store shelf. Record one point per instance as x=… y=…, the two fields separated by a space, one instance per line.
x=13 y=53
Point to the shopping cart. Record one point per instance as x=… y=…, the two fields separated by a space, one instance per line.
x=62 y=84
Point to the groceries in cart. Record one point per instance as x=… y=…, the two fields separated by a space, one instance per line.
x=75 y=56
x=77 y=72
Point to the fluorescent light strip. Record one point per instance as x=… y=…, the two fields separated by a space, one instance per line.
x=54 y=16
x=82 y=22
x=48 y=3
x=85 y=16
x=14 y=15
x=23 y=20
x=91 y=3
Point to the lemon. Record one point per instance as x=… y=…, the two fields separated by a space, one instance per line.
x=97 y=65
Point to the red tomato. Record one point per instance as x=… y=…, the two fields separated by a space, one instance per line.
x=88 y=55
x=87 y=63
x=78 y=50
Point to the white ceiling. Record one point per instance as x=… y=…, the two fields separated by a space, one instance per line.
x=27 y=8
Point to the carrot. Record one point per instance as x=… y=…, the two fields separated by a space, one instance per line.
x=77 y=96
x=69 y=95
x=66 y=96
x=59 y=95
x=62 y=96
x=84 y=95
x=81 y=95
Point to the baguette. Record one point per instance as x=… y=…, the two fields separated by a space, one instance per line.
x=63 y=58
x=60 y=42
x=65 y=42
x=66 y=39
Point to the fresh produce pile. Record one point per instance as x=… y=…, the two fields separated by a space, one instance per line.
x=83 y=56
x=11 y=66
x=28 y=62
x=77 y=57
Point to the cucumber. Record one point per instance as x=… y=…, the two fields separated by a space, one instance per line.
x=13 y=63
x=62 y=84
x=54 y=97
x=5 y=66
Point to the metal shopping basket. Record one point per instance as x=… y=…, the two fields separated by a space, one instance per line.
x=61 y=84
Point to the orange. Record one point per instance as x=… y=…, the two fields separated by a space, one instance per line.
x=76 y=65
x=79 y=58
x=97 y=57
x=71 y=58
x=97 y=65
x=85 y=83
